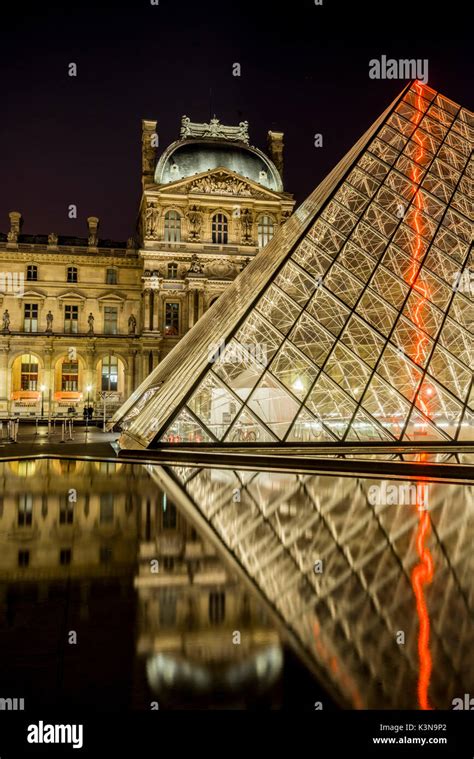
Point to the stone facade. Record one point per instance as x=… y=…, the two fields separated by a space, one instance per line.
x=86 y=316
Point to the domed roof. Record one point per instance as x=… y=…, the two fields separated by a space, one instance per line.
x=187 y=157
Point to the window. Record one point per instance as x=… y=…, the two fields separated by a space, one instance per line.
x=70 y=376
x=71 y=316
x=110 y=320
x=72 y=274
x=111 y=277
x=66 y=510
x=106 y=508
x=265 y=230
x=65 y=555
x=23 y=558
x=29 y=372
x=25 y=509
x=219 y=228
x=168 y=511
x=171 y=318
x=172 y=226
x=172 y=271
x=216 y=608
x=109 y=373
x=31 y=273
x=30 y=323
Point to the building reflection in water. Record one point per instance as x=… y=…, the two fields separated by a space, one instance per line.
x=184 y=588
x=97 y=549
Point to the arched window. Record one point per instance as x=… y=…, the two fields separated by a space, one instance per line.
x=172 y=271
x=29 y=372
x=172 y=226
x=72 y=274
x=265 y=230
x=69 y=375
x=31 y=273
x=220 y=227
x=111 y=277
x=109 y=373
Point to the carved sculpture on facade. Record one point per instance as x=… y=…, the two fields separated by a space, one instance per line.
x=214 y=129
x=195 y=267
x=246 y=226
x=132 y=324
x=6 y=321
x=221 y=183
x=52 y=238
x=90 y=321
x=49 y=322
x=151 y=220
x=245 y=263
x=194 y=217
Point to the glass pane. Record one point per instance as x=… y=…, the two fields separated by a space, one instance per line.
x=214 y=405
x=273 y=405
x=237 y=369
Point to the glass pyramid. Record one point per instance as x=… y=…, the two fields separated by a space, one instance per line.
x=353 y=324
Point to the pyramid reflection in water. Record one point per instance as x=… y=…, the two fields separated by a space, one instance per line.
x=340 y=570
x=353 y=323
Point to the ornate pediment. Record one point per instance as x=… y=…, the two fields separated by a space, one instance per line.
x=220 y=182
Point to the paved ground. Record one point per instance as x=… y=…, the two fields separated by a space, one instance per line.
x=94 y=442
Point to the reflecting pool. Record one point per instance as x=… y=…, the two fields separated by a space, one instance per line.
x=127 y=587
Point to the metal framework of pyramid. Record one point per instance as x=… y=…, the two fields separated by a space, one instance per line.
x=353 y=324
x=345 y=619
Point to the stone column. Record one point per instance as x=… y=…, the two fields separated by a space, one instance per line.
x=4 y=378
x=128 y=381
x=156 y=310
x=133 y=370
x=48 y=380
x=200 y=303
x=146 y=310
x=90 y=376
x=190 y=305
x=144 y=365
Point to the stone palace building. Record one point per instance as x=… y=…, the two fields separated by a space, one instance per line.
x=86 y=317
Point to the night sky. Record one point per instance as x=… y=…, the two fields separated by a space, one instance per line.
x=304 y=70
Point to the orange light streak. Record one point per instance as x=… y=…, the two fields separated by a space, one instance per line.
x=422 y=573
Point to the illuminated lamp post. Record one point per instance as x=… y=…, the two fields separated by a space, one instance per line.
x=42 y=388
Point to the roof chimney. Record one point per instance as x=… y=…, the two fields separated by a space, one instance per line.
x=275 y=149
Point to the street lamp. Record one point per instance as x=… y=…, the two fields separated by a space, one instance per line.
x=42 y=388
